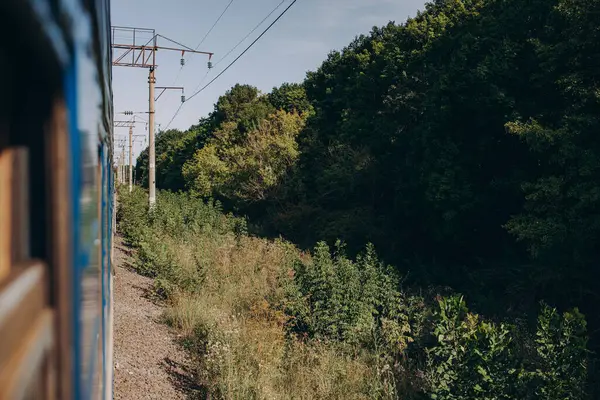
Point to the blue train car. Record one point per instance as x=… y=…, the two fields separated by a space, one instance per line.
x=56 y=200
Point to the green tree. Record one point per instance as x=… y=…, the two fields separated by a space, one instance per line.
x=242 y=104
x=290 y=97
x=245 y=169
x=560 y=220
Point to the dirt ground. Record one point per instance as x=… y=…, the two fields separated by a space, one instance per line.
x=149 y=364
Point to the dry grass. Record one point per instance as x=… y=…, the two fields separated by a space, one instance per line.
x=317 y=371
x=238 y=338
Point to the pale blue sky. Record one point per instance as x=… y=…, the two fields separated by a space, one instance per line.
x=299 y=42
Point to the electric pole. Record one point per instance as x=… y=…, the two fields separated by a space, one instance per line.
x=121 y=161
x=151 y=148
x=142 y=44
x=122 y=164
x=129 y=124
x=130 y=158
x=120 y=169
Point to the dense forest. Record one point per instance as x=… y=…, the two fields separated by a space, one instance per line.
x=460 y=143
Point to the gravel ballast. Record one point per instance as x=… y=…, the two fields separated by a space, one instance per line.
x=148 y=362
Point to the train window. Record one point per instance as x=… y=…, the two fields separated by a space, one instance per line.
x=26 y=320
x=14 y=207
x=32 y=126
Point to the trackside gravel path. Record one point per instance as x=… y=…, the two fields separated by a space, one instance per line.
x=148 y=362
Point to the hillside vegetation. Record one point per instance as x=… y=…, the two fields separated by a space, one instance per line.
x=463 y=145
x=263 y=320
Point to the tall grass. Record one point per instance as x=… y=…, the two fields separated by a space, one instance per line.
x=262 y=320
x=224 y=292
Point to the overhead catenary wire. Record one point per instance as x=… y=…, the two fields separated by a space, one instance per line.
x=243 y=52
x=182 y=45
x=249 y=33
x=174 y=115
x=215 y=24
x=202 y=80
x=234 y=61
x=206 y=35
x=240 y=42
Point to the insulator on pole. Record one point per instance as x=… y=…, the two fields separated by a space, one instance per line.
x=210 y=64
x=183 y=98
x=182 y=62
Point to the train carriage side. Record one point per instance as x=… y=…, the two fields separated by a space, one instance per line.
x=56 y=208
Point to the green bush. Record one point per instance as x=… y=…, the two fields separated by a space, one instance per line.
x=459 y=354
x=354 y=312
x=345 y=299
x=132 y=215
x=472 y=359
x=476 y=359
x=175 y=214
x=560 y=369
x=181 y=214
x=154 y=256
x=156 y=234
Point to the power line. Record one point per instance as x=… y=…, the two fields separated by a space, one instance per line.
x=238 y=43
x=202 y=80
x=235 y=60
x=215 y=24
x=181 y=104
x=244 y=52
x=206 y=35
x=174 y=115
x=250 y=33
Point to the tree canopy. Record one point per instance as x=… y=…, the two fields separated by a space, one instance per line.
x=463 y=143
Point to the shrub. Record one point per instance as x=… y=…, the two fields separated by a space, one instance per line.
x=182 y=214
x=263 y=320
x=132 y=215
x=477 y=359
x=347 y=299
x=560 y=369
x=473 y=359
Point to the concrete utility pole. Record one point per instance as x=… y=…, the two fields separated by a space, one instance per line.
x=129 y=124
x=130 y=158
x=120 y=174
x=151 y=148
x=141 y=45
x=123 y=164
